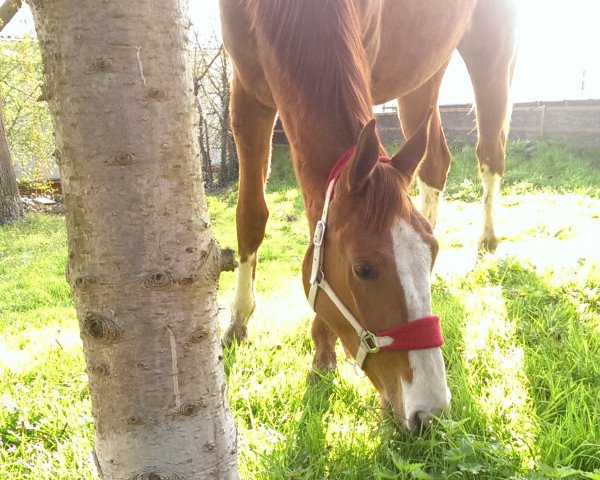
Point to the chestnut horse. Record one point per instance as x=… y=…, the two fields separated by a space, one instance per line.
x=322 y=64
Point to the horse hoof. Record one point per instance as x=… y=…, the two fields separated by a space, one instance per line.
x=235 y=334
x=317 y=375
x=321 y=367
x=488 y=245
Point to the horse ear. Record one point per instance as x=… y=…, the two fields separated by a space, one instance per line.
x=365 y=157
x=412 y=152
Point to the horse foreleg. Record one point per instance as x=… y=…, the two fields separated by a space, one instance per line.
x=252 y=124
x=324 y=339
x=434 y=168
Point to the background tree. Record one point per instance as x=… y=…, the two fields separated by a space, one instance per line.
x=11 y=209
x=8 y=10
x=28 y=124
x=212 y=74
x=143 y=264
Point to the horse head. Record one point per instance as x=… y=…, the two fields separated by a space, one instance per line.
x=367 y=275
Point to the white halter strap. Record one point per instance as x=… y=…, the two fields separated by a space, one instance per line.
x=369 y=342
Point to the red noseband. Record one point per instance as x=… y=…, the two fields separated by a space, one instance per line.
x=416 y=335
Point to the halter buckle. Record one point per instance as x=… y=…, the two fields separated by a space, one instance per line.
x=368 y=341
x=319 y=233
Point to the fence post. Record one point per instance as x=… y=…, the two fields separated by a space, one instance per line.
x=543 y=121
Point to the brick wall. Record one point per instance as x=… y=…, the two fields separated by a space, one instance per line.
x=575 y=121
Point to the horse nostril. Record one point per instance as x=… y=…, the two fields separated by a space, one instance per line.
x=420 y=422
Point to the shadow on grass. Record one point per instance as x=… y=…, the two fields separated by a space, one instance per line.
x=555 y=327
x=305 y=455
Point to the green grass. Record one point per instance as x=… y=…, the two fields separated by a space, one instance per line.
x=522 y=330
x=550 y=168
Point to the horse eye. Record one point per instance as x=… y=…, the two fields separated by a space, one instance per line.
x=365 y=271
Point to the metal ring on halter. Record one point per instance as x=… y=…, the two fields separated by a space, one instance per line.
x=369 y=341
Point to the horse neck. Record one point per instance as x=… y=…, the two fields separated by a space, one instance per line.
x=316 y=147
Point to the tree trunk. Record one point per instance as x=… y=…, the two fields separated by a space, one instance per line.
x=224 y=169
x=203 y=142
x=8 y=9
x=231 y=152
x=209 y=166
x=226 y=172
x=11 y=209
x=143 y=264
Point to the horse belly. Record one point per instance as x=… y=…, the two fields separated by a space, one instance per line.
x=417 y=39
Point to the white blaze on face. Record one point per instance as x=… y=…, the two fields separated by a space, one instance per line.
x=428 y=391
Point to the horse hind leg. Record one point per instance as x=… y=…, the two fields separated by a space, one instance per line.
x=434 y=168
x=493 y=117
x=489 y=54
x=252 y=124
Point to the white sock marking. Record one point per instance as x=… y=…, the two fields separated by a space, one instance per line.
x=243 y=302
x=491 y=189
x=430 y=201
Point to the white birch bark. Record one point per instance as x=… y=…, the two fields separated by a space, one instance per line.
x=143 y=264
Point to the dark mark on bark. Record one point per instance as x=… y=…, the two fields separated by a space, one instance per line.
x=197 y=335
x=100 y=370
x=189 y=409
x=100 y=65
x=101 y=329
x=155 y=94
x=156 y=474
x=136 y=420
x=124 y=159
x=157 y=280
x=82 y=283
x=228 y=261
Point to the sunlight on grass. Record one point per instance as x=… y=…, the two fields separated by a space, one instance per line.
x=24 y=353
x=495 y=364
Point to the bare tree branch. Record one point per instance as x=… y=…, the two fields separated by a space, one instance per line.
x=8 y=10
x=209 y=64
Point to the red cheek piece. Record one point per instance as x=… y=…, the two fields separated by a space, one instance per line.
x=416 y=335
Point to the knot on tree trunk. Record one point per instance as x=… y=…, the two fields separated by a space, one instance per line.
x=227 y=260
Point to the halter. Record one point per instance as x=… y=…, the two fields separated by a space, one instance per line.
x=415 y=335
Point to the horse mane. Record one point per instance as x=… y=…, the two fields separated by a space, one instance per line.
x=317 y=48
x=384 y=198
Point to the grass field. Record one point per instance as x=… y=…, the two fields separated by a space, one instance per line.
x=522 y=329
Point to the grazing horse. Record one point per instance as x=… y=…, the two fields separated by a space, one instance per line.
x=322 y=64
